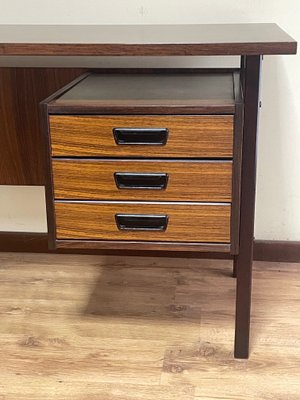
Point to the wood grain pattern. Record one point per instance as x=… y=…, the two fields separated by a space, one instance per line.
x=123 y=328
x=187 y=223
x=21 y=140
x=187 y=181
x=78 y=49
x=189 y=136
x=138 y=40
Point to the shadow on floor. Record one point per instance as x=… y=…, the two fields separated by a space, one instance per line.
x=133 y=287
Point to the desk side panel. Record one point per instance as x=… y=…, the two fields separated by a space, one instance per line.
x=21 y=139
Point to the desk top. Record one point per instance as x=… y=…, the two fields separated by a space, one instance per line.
x=144 y=40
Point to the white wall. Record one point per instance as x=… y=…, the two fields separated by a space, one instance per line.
x=278 y=199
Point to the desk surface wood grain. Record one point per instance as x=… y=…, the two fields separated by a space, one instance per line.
x=155 y=40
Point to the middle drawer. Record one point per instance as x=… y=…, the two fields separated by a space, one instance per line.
x=206 y=181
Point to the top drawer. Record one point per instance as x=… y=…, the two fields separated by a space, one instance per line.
x=199 y=136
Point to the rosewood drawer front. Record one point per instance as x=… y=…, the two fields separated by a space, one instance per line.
x=189 y=136
x=177 y=222
x=206 y=181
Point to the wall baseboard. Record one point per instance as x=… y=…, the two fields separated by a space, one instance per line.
x=277 y=251
x=264 y=250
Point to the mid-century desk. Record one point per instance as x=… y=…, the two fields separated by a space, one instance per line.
x=160 y=160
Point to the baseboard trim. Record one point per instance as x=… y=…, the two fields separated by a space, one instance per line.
x=264 y=250
x=277 y=251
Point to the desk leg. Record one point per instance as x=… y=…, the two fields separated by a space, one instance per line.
x=235 y=258
x=243 y=263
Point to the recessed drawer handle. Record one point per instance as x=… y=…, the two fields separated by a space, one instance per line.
x=141 y=136
x=141 y=222
x=129 y=180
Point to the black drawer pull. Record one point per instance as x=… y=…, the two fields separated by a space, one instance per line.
x=129 y=180
x=141 y=136
x=141 y=222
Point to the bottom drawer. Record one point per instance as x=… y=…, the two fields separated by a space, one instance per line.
x=178 y=222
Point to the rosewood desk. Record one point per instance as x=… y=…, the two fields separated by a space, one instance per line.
x=203 y=126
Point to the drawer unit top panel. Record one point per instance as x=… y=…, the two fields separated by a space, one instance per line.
x=95 y=92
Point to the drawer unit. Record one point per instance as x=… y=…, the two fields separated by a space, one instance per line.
x=161 y=180
x=163 y=176
x=142 y=136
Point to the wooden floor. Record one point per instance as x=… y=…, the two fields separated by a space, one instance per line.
x=112 y=328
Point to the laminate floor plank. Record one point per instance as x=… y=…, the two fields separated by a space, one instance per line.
x=102 y=327
x=81 y=390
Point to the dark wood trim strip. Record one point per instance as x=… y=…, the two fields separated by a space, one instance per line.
x=143 y=246
x=95 y=108
x=65 y=88
x=237 y=163
x=51 y=221
x=165 y=49
x=164 y=70
x=264 y=250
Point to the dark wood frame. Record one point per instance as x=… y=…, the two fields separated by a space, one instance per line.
x=44 y=111
x=250 y=68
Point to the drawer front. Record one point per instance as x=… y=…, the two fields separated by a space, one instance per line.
x=178 y=222
x=142 y=180
x=142 y=136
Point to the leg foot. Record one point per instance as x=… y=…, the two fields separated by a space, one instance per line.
x=243 y=303
x=234 y=267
